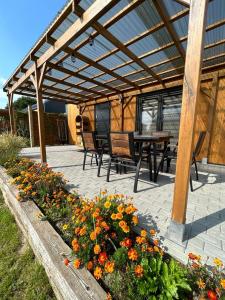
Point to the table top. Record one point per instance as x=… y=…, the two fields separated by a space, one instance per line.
x=142 y=138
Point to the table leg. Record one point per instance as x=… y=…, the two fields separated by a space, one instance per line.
x=155 y=162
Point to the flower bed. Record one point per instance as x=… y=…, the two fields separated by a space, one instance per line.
x=102 y=236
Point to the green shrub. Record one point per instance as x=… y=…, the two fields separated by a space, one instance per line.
x=10 y=147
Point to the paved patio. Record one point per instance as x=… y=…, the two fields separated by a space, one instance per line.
x=205 y=211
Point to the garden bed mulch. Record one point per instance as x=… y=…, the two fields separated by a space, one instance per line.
x=68 y=282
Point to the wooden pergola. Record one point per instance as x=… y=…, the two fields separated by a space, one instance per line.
x=113 y=48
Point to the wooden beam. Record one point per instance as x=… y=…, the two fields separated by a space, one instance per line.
x=40 y=112
x=191 y=89
x=183 y=2
x=94 y=12
x=161 y=8
x=212 y=109
x=11 y=114
x=31 y=125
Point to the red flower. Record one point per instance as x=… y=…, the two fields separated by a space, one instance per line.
x=66 y=261
x=212 y=295
x=102 y=258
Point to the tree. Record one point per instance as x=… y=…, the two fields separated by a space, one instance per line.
x=22 y=103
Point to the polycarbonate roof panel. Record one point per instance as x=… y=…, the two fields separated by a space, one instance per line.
x=64 y=26
x=173 y=7
x=74 y=66
x=90 y=71
x=74 y=90
x=214 y=51
x=216 y=61
x=153 y=41
x=114 y=60
x=136 y=76
x=215 y=35
x=167 y=66
x=48 y=82
x=216 y=11
x=128 y=69
x=160 y=56
x=140 y=19
x=73 y=80
x=42 y=49
x=113 y=11
x=181 y=26
x=87 y=84
x=104 y=78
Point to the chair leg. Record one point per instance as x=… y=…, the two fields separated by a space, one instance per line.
x=137 y=176
x=168 y=161
x=96 y=159
x=91 y=158
x=84 y=161
x=196 y=168
x=100 y=164
x=150 y=167
x=191 y=184
x=108 y=171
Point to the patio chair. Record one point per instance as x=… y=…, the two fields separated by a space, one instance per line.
x=169 y=155
x=122 y=153
x=90 y=147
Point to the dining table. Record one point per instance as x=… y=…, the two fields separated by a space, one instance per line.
x=151 y=140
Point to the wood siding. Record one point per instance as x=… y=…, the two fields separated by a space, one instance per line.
x=72 y=112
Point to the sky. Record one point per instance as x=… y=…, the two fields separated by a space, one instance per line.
x=21 y=24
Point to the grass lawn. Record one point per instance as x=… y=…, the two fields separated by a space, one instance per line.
x=21 y=276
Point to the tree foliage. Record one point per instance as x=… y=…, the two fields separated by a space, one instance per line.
x=22 y=103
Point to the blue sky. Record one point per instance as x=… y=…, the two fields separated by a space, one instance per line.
x=21 y=24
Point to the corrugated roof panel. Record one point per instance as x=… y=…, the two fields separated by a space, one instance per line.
x=181 y=26
x=90 y=72
x=114 y=60
x=29 y=64
x=173 y=7
x=214 y=51
x=57 y=74
x=74 y=90
x=144 y=81
x=64 y=26
x=216 y=61
x=76 y=65
x=128 y=69
x=113 y=11
x=161 y=56
x=73 y=80
x=48 y=82
x=104 y=78
x=142 y=18
x=171 y=73
x=154 y=41
x=115 y=83
x=215 y=35
x=216 y=11
x=61 y=86
x=166 y=66
x=136 y=76
x=42 y=49
x=87 y=84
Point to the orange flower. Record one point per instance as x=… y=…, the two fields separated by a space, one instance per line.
x=132 y=254
x=152 y=232
x=90 y=265
x=98 y=273
x=102 y=258
x=93 y=236
x=76 y=247
x=143 y=233
x=105 y=225
x=83 y=231
x=135 y=220
x=109 y=266
x=97 y=230
x=97 y=249
x=77 y=263
x=156 y=242
x=120 y=209
x=122 y=224
x=119 y=216
x=156 y=249
x=108 y=297
x=126 y=229
x=126 y=243
x=96 y=213
x=77 y=230
x=139 y=240
x=193 y=256
x=130 y=209
x=150 y=249
x=139 y=271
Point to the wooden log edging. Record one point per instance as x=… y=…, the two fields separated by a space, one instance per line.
x=48 y=246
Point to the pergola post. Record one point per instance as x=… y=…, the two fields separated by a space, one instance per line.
x=37 y=80
x=31 y=125
x=191 y=90
x=11 y=114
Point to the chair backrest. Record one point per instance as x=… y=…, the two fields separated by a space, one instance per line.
x=199 y=143
x=89 y=142
x=122 y=144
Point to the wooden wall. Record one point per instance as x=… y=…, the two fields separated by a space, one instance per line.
x=72 y=112
x=210 y=118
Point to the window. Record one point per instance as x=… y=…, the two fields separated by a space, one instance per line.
x=102 y=118
x=159 y=111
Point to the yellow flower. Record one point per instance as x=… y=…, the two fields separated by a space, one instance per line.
x=65 y=226
x=98 y=273
x=107 y=204
x=119 y=216
x=143 y=233
x=109 y=267
x=218 y=262
x=201 y=284
x=120 y=208
x=113 y=216
x=77 y=263
x=93 y=236
x=126 y=229
x=222 y=282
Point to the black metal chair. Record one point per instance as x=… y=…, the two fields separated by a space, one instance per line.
x=90 y=147
x=169 y=155
x=122 y=153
